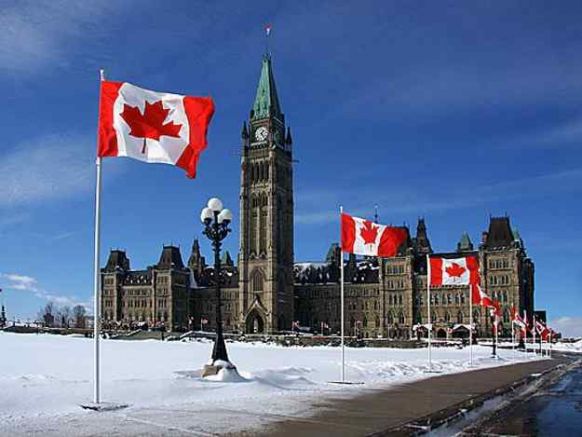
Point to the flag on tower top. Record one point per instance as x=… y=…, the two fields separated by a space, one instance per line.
x=268 y=28
x=364 y=237
x=152 y=126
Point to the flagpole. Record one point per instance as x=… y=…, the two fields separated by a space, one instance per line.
x=471 y=324
x=533 y=346
x=428 y=311
x=513 y=330
x=343 y=372
x=497 y=333
x=97 y=277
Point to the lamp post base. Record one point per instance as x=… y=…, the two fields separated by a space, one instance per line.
x=223 y=371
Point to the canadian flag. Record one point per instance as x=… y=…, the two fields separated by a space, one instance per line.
x=151 y=126
x=364 y=237
x=495 y=312
x=516 y=319
x=480 y=297
x=542 y=330
x=454 y=271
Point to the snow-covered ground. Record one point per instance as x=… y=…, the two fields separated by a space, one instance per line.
x=568 y=347
x=44 y=378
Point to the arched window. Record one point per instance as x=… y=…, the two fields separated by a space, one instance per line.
x=506 y=316
x=365 y=323
x=401 y=318
x=460 y=317
x=447 y=317
x=390 y=318
x=377 y=321
x=257 y=281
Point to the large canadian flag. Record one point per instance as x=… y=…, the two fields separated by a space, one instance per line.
x=364 y=237
x=454 y=271
x=151 y=126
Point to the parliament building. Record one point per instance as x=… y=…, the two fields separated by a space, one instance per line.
x=266 y=291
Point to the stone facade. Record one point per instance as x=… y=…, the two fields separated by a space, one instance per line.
x=266 y=291
x=157 y=296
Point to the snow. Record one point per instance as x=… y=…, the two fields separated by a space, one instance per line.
x=568 y=347
x=44 y=378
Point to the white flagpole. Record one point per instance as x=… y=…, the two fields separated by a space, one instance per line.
x=525 y=331
x=497 y=333
x=471 y=324
x=428 y=311
x=513 y=330
x=97 y=277
x=343 y=373
x=533 y=324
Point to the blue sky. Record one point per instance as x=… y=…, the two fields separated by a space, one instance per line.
x=448 y=110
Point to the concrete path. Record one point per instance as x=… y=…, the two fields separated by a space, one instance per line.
x=383 y=411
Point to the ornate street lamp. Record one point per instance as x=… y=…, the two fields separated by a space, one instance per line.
x=216 y=220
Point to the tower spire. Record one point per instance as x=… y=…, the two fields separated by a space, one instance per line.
x=267 y=100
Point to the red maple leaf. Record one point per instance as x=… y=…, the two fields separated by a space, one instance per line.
x=369 y=232
x=455 y=270
x=150 y=124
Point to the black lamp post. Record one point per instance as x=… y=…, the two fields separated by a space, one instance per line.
x=216 y=221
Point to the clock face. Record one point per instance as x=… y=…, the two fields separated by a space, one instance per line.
x=261 y=133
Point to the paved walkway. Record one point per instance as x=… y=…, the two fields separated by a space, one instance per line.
x=377 y=412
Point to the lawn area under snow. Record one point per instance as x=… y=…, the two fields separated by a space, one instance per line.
x=44 y=378
x=568 y=347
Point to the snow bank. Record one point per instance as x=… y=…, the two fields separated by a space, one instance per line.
x=568 y=347
x=43 y=379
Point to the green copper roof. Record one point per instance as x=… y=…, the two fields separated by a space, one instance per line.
x=465 y=242
x=516 y=235
x=266 y=102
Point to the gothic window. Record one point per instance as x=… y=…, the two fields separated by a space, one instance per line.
x=390 y=318
x=506 y=316
x=460 y=317
x=263 y=225
x=257 y=281
x=447 y=317
x=462 y=296
x=377 y=321
x=436 y=299
x=365 y=323
x=449 y=299
x=401 y=318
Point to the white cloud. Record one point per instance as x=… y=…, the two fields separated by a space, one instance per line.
x=50 y=167
x=568 y=326
x=36 y=34
x=24 y=283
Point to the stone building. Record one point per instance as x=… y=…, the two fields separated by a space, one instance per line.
x=266 y=291
x=158 y=295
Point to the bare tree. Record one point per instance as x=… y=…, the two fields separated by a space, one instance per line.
x=47 y=314
x=64 y=316
x=80 y=316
